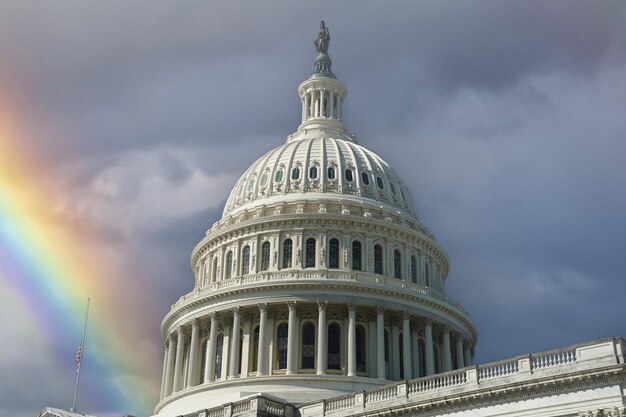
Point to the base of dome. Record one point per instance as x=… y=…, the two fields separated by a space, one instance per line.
x=294 y=389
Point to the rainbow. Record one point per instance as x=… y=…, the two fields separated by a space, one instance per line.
x=47 y=272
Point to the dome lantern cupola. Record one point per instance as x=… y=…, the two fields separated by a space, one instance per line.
x=322 y=94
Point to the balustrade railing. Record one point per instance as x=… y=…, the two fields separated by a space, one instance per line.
x=524 y=367
x=498 y=369
x=339 y=403
x=554 y=358
x=436 y=382
x=381 y=394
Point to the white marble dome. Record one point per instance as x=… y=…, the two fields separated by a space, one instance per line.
x=316 y=166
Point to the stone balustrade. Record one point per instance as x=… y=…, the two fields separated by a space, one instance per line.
x=568 y=363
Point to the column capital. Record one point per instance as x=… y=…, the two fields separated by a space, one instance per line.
x=380 y=309
x=322 y=305
x=428 y=322
x=406 y=315
x=446 y=330
x=264 y=307
x=292 y=305
x=236 y=311
x=351 y=306
x=213 y=315
x=195 y=322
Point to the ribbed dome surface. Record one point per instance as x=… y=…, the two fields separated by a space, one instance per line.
x=319 y=168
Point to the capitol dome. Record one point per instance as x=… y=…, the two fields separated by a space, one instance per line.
x=318 y=279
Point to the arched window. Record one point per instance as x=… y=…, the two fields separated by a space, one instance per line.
x=426 y=274
x=310 y=253
x=349 y=176
x=308 y=346
x=265 y=256
x=214 y=271
x=334 y=346
x=245 y=260
x=283 y=333
x=365 y=178
x=356 y=256
x=397 y=264
x=313 y=172
x=413 y=269
x=229 y=265
x=278 y=177
x=360 y=350
x=420 y=358
x=219 y=355
x=378 y=259
x=333 y=253
x=255 y=350
x=287 y=253
x=331 y=173
x=379 y=182
x=295 y=174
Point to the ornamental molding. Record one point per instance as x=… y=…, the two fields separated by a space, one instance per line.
x=416 y=241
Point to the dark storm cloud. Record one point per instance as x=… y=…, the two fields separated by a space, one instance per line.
x=505 y=120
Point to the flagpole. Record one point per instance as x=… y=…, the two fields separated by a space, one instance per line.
x=79 y=356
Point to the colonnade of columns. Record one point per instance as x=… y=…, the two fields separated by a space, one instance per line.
x=319 y=103
x=193 y=355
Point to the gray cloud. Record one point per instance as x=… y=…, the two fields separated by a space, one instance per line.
x=505 y=119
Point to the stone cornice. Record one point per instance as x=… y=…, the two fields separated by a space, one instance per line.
x=283 y=287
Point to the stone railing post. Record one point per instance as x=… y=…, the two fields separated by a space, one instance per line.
x=525 y=365
x=471 y=376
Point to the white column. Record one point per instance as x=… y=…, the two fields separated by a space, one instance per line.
x=234 y=344
x=331 y=104
x=322 y=341
x=262 y=350
x=292 y=338
x=429 y=352
x=467 y=356
x=459 y=352
x=163 y=373
x=209 y=369
x=178 y=366
x=447 y=354
x=406 y=346
x=351 y=339
x=169 y=373
x=380 y=339
x=192 y=370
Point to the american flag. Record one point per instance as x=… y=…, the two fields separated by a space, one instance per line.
x=79 y=355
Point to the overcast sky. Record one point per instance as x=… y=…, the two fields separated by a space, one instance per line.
x=506 y=120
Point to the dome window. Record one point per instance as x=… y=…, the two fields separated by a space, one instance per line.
x=313 y=172
x=365 y=178
x=331 y=173
x=393 y=188
x=278 y=177
x=240 y=192
x=251 y=185
x=333 y=253
x=295 y=174
x=263 y=180
x=349 y=176
x=379 y=182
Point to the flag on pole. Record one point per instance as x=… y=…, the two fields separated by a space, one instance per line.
x=79 y=355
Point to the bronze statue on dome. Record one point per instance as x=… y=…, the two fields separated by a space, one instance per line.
x=321 y=43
